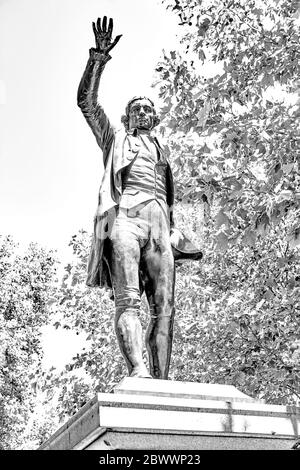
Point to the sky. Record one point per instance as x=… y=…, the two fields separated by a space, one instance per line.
x=50 y=164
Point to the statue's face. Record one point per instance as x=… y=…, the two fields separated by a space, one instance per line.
x=141 y=115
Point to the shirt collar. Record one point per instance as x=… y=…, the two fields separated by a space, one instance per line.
x=136 y=132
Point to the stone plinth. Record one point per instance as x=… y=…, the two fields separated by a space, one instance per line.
x=162 y=414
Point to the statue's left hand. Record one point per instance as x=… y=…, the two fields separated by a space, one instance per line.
x=103 y=35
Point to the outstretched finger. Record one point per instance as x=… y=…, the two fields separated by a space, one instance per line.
x=95 y=31
x=99 y=25
x=110 y=25
x=114 y=42
x=104 y=23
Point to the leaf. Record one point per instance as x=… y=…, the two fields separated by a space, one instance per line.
x=222 y=241
x=294 y=238
x=221 y=218
x=260 y=304
x=265 y=135
x=288 y=168
x=249 y=237
x=201 y=55
x=203 y=114
x=262 y=224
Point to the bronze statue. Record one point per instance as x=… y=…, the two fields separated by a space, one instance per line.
x=135 y=244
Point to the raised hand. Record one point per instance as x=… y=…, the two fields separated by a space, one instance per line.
x=103 y=35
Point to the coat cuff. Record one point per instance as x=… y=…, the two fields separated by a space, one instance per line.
x=99 y=56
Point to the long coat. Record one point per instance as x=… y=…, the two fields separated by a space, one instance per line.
x=119 y=148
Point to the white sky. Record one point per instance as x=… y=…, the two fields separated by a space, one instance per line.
x=50 y=164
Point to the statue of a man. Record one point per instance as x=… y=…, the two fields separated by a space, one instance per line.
x=133 y=227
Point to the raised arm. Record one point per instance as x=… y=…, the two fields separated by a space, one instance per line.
x=87 y=97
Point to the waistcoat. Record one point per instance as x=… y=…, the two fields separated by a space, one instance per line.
x=144 y=179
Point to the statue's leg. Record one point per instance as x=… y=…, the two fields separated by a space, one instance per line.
x=124 y=266
x=159 y=264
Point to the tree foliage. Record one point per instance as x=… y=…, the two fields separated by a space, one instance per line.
x=231 y=137
x=231 y=120
x=26 y=288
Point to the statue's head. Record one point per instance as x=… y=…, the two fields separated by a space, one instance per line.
x=140 y=114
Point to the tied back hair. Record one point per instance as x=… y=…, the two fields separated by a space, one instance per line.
x=125 y=117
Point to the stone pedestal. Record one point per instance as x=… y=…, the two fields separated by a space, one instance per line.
x=161 y=414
